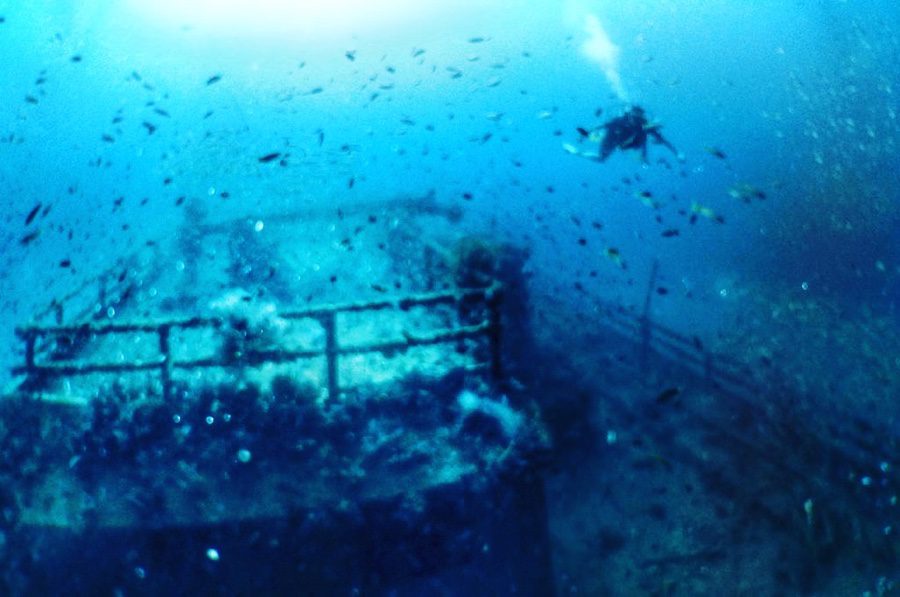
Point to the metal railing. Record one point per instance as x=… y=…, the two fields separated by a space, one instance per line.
x=488 y=329
x=91 y=298
x=648 y=337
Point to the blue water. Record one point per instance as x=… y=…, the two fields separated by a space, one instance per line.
x=112 y=111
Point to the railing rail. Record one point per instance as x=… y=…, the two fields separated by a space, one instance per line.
x=91 y=298
x=165 y=363
x=647 y=335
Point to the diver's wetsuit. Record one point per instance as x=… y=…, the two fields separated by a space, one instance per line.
x=630 y=131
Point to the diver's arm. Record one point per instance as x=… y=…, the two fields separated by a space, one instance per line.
x=657 y=136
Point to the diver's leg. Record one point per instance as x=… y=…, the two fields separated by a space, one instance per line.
x=657 y=136
x=606 y=148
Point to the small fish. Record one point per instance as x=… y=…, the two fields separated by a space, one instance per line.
x=31 y=99
x=151 y=128
x=615 y=256
x=30 y=237
x=161 y=112
x=670 y=232
x=351 y=182
x=583 y=132
x=378 y=288
x=417 y=52
x=269 y=157
x=32 y=214
x=478 y=40
x=350 y=55
x=706 y=212
x=746 y=192
x=76 y=58
x=108 y=138
x=646 y=197
x=65 y=263
x=716 y=152
x=213 y=79
x=315 y=91
x=667 y=395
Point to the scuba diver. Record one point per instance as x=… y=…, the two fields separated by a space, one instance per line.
x=629 y=131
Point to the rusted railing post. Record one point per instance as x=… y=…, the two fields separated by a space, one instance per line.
x=30 y=339
x=708 y=373
x=101 y=293
x=166 y=364
x=643 y=355
x=329 y=323
x=493 y=299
